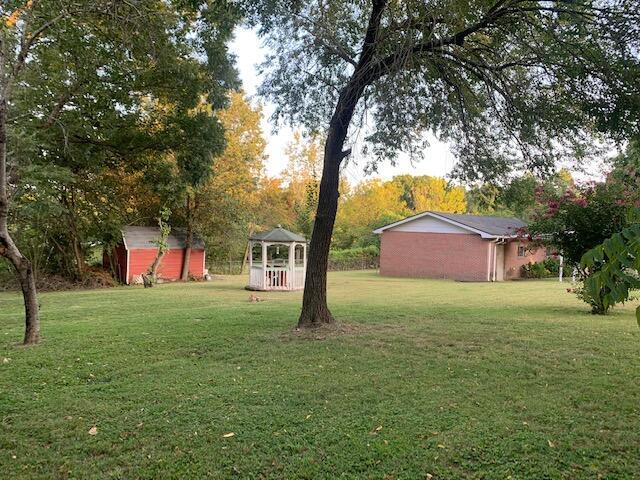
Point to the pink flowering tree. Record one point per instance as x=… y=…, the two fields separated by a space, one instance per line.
x=583 y=216
x=581 y=219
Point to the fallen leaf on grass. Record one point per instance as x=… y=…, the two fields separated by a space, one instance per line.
x=228 y=435
x=551 y=444
x=93 y=430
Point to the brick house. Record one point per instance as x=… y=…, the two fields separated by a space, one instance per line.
x=454 y=246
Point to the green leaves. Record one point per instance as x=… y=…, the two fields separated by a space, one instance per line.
x=113 y=114
x=510 y=85
x=612 y=270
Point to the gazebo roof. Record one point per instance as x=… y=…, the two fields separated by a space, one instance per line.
x=278 y=234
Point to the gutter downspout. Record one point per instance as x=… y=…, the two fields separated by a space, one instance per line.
x=489 y=252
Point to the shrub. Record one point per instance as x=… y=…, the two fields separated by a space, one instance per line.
x=371 y=251
x=548 y=268
x=535 y=270
x=357 y=258
x=612 y=271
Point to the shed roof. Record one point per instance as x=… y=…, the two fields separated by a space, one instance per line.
x=278 y=234
x=144 y=237
x=486 y=226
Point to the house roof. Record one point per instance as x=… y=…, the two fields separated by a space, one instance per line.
x=144 y=237
x=486 y=226
x=278 y=234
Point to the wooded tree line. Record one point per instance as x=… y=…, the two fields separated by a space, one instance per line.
x=99 y=97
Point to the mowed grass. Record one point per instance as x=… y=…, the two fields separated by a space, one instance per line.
x=453 y=380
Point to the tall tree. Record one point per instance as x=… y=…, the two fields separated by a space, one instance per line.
x=423 y=192
x=87 y=87
x=222 y=207
x=367 y=206
x=508 y=82
x=302 y=177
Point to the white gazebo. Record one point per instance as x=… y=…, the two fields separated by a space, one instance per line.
x=277 y=260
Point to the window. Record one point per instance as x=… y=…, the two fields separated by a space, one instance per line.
x=522 y=251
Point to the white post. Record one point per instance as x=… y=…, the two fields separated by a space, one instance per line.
x=304 y=262
x=561 y=268
x=250 y=257
x=264 y=265
x=291 y=279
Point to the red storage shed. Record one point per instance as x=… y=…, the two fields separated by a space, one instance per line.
x=136 y=252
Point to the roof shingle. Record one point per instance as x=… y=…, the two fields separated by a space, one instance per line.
x=499 y=226
x=278 y=234
x=144 y=237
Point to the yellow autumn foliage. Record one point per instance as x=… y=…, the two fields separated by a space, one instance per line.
x=13 y=18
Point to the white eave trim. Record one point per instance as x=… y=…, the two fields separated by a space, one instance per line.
x=483 y=234
x=124 y=240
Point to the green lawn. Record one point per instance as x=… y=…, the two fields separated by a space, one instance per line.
x=454 y=380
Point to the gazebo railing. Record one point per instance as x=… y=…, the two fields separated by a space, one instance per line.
x=277 y=278
x=256 y=276
x=298 y=277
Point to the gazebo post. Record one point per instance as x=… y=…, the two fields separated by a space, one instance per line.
x=291 y=277
x=304 y=262
x=264 y=265
x=250 y=255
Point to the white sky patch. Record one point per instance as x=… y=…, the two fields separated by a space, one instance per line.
x=438 y=159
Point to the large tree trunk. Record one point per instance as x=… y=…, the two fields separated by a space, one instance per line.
x=187 y=244
x=187 y=259
x=315 y=311
x=247 y=252
x=8 y=248
x=76 y=244
x=153 y=270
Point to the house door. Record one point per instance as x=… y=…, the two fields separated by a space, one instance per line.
x=499 y=263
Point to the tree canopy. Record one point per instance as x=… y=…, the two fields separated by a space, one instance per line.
x=511 y=84
x=94 y=90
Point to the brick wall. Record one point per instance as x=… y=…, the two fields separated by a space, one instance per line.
x=512 y=262
x=434 y=255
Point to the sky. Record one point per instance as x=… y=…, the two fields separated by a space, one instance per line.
x=438 y=159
